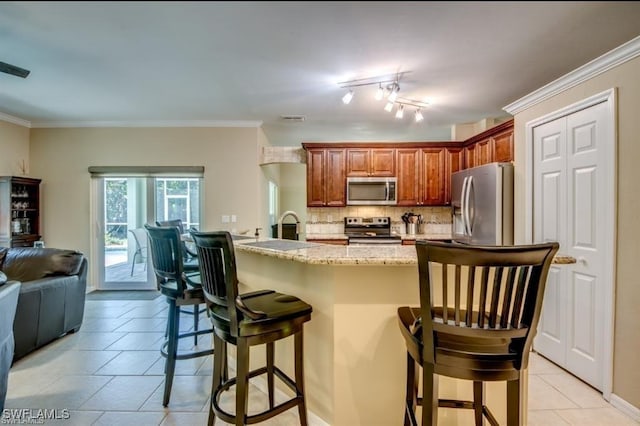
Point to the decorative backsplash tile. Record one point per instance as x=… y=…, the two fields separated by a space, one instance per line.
x=322 y=220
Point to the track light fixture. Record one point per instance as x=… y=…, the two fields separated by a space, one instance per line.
x=400 y=112
x=389 y=86
x=347 y=98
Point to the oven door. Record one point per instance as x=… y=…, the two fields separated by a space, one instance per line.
x=355 y=241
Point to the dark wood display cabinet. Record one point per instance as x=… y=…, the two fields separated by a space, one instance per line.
x=19 y=211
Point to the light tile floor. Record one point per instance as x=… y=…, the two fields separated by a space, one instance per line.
x=111 y=373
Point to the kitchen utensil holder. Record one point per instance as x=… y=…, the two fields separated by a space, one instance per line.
x=411 y=228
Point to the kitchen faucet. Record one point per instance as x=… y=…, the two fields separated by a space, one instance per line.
x=285 y=214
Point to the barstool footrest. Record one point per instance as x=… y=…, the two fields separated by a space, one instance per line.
x=455 y=403
x=263 y=415
x=189 y=355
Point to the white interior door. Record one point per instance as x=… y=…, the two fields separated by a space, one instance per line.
x=570 y=206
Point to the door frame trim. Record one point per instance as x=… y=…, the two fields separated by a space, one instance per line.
x=609 y=197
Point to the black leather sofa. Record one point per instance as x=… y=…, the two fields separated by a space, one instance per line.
x=52 y=294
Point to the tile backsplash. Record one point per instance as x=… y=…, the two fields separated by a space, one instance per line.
x=321 y=220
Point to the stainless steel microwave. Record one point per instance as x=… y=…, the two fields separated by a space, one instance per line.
x=366 y=191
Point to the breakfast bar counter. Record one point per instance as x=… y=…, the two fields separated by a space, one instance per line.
x=355 y=358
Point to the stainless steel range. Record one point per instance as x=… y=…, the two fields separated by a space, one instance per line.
x=373 y=230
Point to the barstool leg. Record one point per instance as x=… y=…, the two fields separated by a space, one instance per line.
x=411 y=399
x=429 y=396
x=196 y=321
x=299 y=367
x=270 y=381
x=478 y=401
x=242 y=383
x=172 y=350
x=219 y=363
x=514 y=392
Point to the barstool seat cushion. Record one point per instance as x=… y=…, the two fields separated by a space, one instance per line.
x=263 y=311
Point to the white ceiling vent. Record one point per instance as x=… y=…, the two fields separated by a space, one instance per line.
x=293 y=118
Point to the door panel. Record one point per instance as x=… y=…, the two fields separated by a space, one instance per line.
x=569 y=184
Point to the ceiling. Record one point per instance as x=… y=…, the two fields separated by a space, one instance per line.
x=249 y=63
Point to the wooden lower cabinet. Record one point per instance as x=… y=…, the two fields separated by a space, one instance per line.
x=339 y=242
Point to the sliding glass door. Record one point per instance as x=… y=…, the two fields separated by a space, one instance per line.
x=123 y=205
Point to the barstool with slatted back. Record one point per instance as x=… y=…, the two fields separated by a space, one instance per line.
x=180 y=290
x=246 y=320
x=190 y=267
x=480 y=327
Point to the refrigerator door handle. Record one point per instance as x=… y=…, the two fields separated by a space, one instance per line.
x=467 y=209
x=462 y=206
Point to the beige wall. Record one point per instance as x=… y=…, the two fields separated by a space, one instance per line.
x=61 y=158
x=626 y=374
x=14 y=148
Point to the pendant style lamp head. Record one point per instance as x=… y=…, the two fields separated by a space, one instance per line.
x=419 y=116
x=400 y=112
x=395 y=88
x=347 y=98
x=379 y=92
x=388 y=107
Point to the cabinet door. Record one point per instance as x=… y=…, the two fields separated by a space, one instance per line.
x=335 y=178
x=454 y=161
x=383 y=162
x=470 y=156
x=408 y=167
x=503 y=146
x=432 y=176
x=358 y=162
x=370 y=162
x=315 y=177
x=484 y=152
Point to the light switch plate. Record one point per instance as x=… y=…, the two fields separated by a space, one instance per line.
x=225 y=218
x=234 y=218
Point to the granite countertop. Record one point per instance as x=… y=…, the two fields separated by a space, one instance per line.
x=329 y=254
x=429 y=236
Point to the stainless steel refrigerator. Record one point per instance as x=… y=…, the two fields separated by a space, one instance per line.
x=482 y=201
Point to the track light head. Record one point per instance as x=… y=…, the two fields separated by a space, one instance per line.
x=395 y=88
x=400 y=112
x=379 y=92
x=388 y=107
x=419 y=116
x=347 y=98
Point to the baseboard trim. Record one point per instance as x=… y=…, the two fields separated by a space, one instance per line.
x=625 y=407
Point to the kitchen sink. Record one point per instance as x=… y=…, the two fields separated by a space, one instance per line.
x=282 y=245
x=241 y=237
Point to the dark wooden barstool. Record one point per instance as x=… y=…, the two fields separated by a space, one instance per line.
x=190 y=267
x=180 y=289
x=479 y=329
x=246 y=320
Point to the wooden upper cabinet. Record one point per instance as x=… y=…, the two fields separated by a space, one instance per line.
x=503 y=146
x=484 y=152
x=326 y=178
x=495 y=144
x=335 y=178
x=432 y=176
x=408 y=166
x=421 y=176
x=371 y=162
x=454 y=161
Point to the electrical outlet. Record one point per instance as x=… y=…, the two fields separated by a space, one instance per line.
x=329 y=218
x=234 y=218
x=225 y=218
x=314 y=218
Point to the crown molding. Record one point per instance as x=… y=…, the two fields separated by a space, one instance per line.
x=15 y=120
x=158 y=123
x=611 y=59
